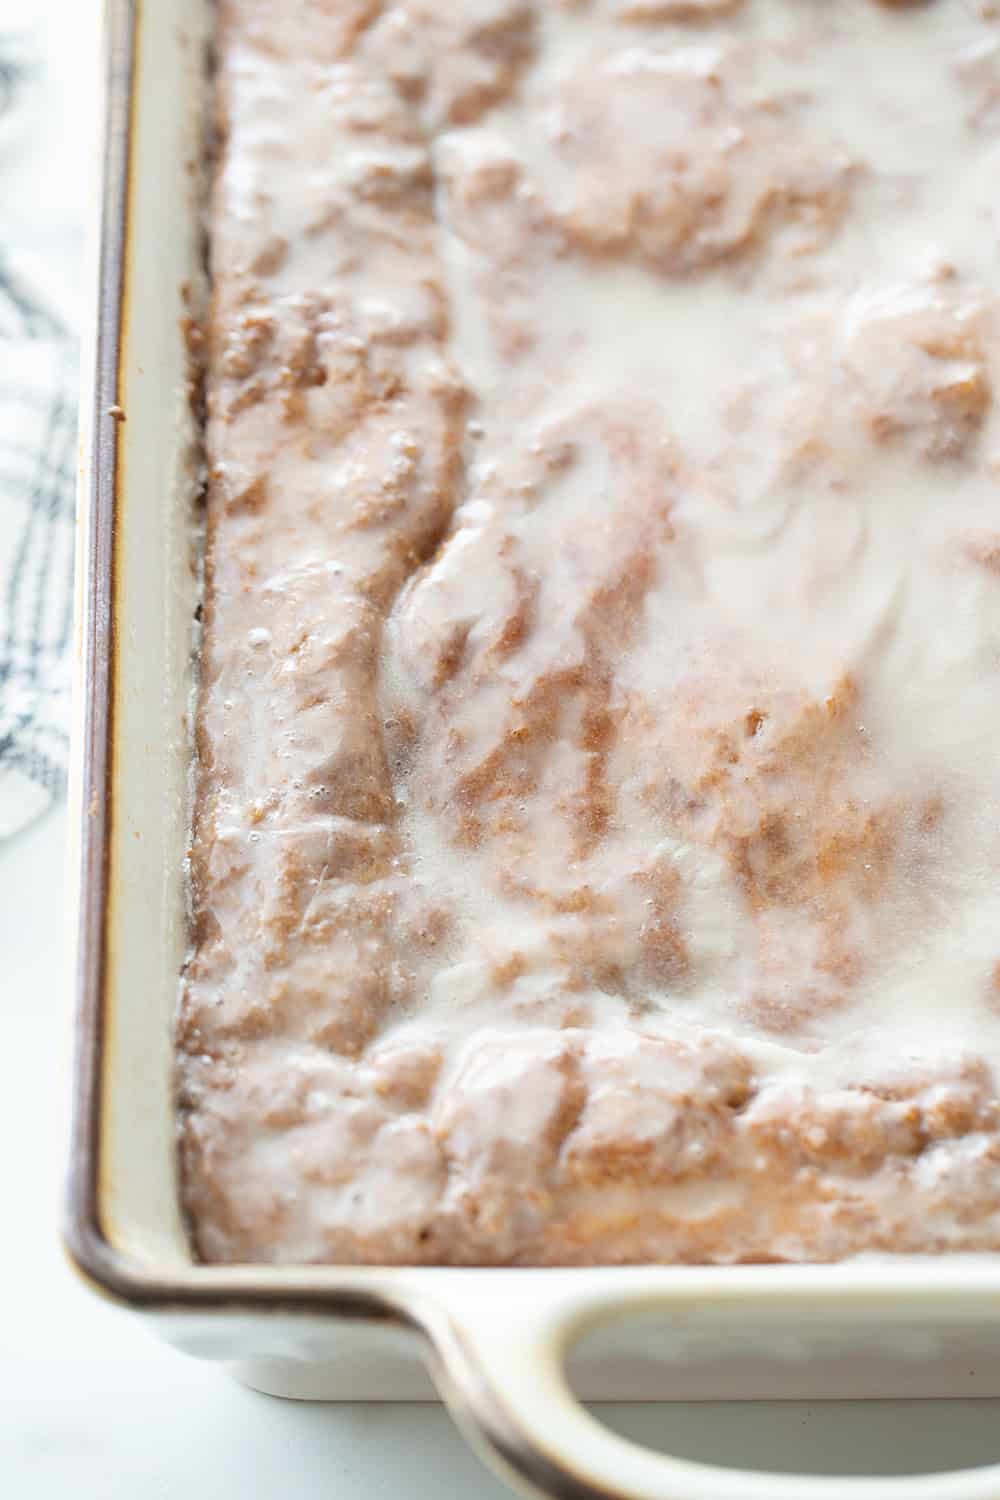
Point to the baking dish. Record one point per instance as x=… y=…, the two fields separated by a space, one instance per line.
x=494 y=1340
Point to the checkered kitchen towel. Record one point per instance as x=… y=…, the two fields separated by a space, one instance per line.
x=38 y=375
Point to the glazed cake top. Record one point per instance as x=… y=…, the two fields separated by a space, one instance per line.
x=598 y=830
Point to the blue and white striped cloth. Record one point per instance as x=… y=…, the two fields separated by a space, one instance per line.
x=38 y=381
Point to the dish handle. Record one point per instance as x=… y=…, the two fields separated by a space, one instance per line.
x=499 y=1366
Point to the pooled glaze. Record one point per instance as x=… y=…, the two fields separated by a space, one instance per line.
x=596 y=852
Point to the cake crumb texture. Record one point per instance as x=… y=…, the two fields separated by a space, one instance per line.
x=596 y=842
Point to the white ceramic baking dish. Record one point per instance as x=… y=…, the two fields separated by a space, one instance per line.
x=495 y=1341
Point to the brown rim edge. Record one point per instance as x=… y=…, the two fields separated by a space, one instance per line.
x=481 y=1415
x=96 y=499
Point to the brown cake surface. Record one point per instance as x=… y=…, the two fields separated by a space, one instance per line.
x=596 y=848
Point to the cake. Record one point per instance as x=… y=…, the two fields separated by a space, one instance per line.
x=595 y=849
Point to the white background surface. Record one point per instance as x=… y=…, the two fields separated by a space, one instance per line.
x=91 y=1407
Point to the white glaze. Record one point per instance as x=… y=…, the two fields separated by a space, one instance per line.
x=721 y=304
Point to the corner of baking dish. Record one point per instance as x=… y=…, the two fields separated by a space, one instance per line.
x=123 y=1227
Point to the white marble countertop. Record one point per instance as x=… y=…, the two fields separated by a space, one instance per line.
x=93 y=1407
